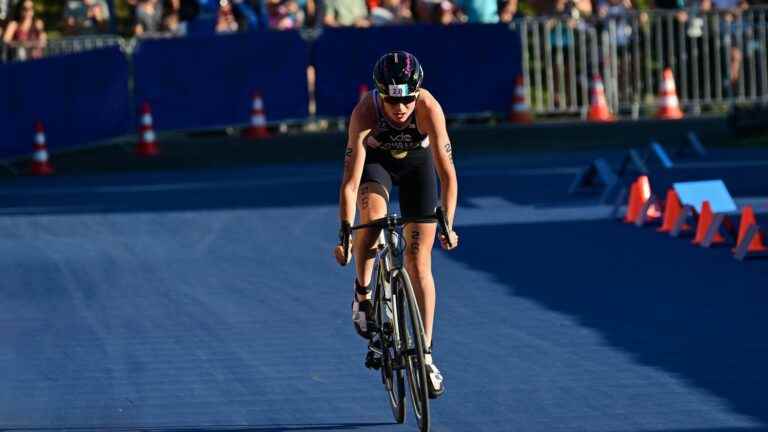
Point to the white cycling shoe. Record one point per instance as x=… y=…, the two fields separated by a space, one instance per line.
x=362 y=311
x=435 y=383
x=362 y=314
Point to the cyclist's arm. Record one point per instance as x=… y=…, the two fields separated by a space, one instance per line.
x=354 y=159
x=433 y=122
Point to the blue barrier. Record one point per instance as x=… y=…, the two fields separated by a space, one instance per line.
x=469 y=68
x=79 y=99
x=207 y=81
x=198 y=82
x=8 y=140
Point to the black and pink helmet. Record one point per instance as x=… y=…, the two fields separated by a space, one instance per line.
x=398 y=74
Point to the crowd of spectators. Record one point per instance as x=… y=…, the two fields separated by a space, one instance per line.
x=172 y=17
x=24 y=23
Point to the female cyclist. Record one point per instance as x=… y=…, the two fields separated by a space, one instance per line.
x=397 y=135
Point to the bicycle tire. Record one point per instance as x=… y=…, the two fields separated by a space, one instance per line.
x=412 y=334
x=391 y=371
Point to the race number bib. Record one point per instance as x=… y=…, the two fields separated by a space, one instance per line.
x=398 y=90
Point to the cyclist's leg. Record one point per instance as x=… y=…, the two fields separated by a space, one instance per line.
x=418 y=197
x=420 y=237
x=372 y=201
x=372 y=204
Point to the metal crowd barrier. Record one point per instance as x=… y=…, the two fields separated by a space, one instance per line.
x=718 y=59
x=61 y=46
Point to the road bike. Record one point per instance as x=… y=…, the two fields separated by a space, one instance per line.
x=397 y=344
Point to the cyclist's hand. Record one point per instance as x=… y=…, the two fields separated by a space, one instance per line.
x=454 y=240
x=343 y=250
x=338 y=252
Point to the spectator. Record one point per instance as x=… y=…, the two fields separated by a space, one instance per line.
x=310 y=9
x=86 y=17
x=391 y=12
x=176 y=15
x=731 y=12
x=26 y=32
x=171 y=19
x=148 y=18
x=447 y=13
x=616 y=18
x=285 y=14
x=5 y=10
x=507 y=10
x=346 y=13
x=620 y=13
x=575 y=9
x=226 y=22
x=734 y=7
x=486 y=11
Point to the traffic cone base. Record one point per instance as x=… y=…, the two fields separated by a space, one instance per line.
x=705 y=220
x=748 y=219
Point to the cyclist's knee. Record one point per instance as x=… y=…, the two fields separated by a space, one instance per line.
x=371 y=201
x=418 y=268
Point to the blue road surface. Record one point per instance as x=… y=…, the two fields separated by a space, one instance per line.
x=209 y=301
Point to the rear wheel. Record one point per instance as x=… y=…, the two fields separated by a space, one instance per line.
x=412 y=338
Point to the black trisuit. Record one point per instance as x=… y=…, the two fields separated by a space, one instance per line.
x=401 y=155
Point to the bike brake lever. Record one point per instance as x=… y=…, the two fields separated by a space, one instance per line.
x=443 y=225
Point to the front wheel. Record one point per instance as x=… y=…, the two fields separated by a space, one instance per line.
x=391 y=367
x=412 y=338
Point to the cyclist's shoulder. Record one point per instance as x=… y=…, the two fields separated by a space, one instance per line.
x=364 y=110
x=428 y=101
x=428 y=111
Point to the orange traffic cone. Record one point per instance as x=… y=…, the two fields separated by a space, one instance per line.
x=40 y=165
x=669 y=106
x=672 y=209
x=705 y=220
x=645 y=195
x=598 y=106
x=747 y=219
x=520 y=112
x=635 y=203
x=258 y=127
x=362 y=90
x=147 y=145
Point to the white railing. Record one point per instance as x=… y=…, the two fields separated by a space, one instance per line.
x=718 y=59
x=16 y=51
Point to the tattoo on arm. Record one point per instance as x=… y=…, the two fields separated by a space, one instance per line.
x=348 y=159
x=449 y=150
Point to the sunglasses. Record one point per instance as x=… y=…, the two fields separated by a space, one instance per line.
x=396 y=100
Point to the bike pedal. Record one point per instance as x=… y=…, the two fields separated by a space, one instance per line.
x=372 y=361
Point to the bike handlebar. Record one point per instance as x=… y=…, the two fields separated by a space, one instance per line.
x=395 y=221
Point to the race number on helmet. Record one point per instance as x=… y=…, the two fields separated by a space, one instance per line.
x=398 y=74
